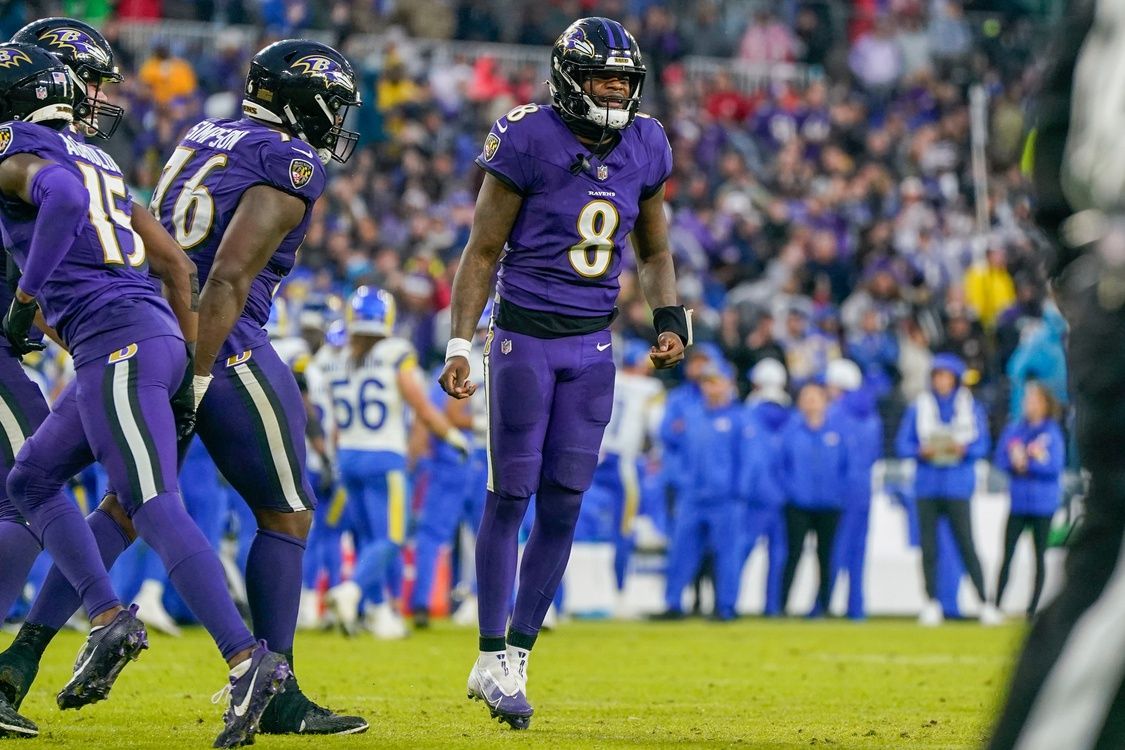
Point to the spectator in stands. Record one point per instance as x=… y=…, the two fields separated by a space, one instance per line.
x=876 y=60
x=1040 y=357
x=989 y=288
x=1032 y=451
x=945 y=432
x=767 y=40
x=167 y=77
x=814 y=471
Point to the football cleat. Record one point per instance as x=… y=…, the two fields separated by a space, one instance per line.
x=104 y=654
x=517 y=665
x=385 y=623
x=14 y=725
x=18 y=667
x=498 y=687
x=344 y=601
x=990 y=616
x=931 y=615
x=293 y=713
x=253 y=684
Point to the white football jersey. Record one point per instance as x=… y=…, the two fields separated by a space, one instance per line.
x=290 y=348
x=321 y=397
x=367 y=405
x=638 y=405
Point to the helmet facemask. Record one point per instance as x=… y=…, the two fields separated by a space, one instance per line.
x=324 y=129
x=94 y=115
x=579 y=103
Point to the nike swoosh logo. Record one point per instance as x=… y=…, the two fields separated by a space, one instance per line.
x=309 y=154
x=86 y=663
x=603 y=347
x=241 y=708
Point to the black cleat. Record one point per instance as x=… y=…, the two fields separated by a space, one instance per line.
x=18 y=667
x=106 y=652
x=12 y=725
x=250 y=694
x=421 y=619
x=293 y=713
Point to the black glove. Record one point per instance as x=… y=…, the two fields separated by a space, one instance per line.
x=17 y=324
x=183 y=406
x=327 y=477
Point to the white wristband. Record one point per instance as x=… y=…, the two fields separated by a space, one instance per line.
x=458 y=348
x=199 y=385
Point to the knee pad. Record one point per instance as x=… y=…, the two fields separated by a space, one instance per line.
x=29 y=486
x=571 y=468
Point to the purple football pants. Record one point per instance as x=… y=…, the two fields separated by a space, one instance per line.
x=22 y=410
x=549 y=401
x=117 y=411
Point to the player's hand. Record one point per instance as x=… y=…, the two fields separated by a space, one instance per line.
x=183 y=407
x=17 y=325
x=327 y=477
x=454 y=378
x=668 y=352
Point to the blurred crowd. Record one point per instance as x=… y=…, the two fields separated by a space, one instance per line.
x=831 y=214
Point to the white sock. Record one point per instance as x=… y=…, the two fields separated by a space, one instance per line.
x=493 y=660
x=238 y=670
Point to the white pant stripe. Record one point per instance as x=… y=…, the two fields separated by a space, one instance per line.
x=11 y=427
x=1075 y=698
x=488 y=421
x=138 y=451
x=274 y=438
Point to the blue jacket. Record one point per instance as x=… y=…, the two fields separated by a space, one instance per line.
x=864 y=437
x=946 y=482
x=673 y=427
x=1040 y=356
x=814 y=464
x=711 y=454
x=761 y=481
x=1038 y=491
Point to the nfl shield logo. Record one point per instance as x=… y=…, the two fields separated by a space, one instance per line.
x=603 y=172
x=506 y=346
x=300 y=173
x=40 y=92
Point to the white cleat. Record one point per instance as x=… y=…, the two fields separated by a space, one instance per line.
x=386 y=624
x=931 y=615
x=990 y=616
x=495 y=684
x=517 y=666
x=344 y=600
x=150 y=604
x=466 y=614
x=308 y=614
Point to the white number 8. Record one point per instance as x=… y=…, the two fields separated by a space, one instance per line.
x=592 y=256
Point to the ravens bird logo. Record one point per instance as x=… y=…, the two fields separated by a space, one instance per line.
x=12 y=58
x=76 y=40
x=320 y=66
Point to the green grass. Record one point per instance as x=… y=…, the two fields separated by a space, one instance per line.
x=881 y=684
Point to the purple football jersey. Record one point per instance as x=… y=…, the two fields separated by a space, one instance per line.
x=200 y=188
x=102 y=285
x=563 y=255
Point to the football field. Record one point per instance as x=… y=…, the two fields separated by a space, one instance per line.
x=757 y=684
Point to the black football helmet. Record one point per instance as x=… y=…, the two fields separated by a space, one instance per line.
x=590 y=47
x=307 y=88
x=35 y=86
x=90 y=59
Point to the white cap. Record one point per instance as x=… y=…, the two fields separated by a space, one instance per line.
x=769 y=373
x=843 y=374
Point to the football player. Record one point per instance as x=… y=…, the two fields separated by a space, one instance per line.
x=565 y=185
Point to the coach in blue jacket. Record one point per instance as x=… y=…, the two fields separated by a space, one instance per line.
x=768 y=412
x=814 y=470
x=945 y=432
x=853 y=405
x=709 y=509
x=1032 y=452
